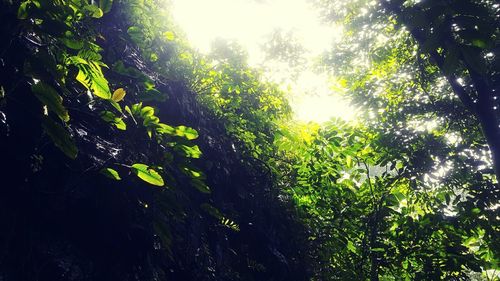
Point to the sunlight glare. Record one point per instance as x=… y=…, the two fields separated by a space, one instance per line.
x=248 y=22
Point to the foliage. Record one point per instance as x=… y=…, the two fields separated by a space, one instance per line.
x=368 y=217
x=96 y=80
x=127 y=155
x=413 y=106
x=249 y=107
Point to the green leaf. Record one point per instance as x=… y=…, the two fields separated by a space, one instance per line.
x=149 y=84
x=165 y=129
x=349 y=162
x=153 y=57
x=120 y=124
x=90 y=75
x=169 y=35
x=110 y=173
x=136 y=108
x=399 y=165
x=105 y=5
x=147 y=111
x=49 y=97
x=93 y=11
x=479 y=43
x=378 y=250
x=128 y=110
x=230 y=224
x=22 y=12
x=60 y=137
x=192 y=172
x=405 y=264
x=110 y=117
x=351 y=247
x=116 y=106
x=100 y=87
x=188 y=151
x=151 y=120
x=188 y=133
x=147 y=174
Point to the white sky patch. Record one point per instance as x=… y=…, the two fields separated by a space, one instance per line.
x=250 y=22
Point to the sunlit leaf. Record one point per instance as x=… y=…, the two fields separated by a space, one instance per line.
x=90 y=75
x=188 y=133
x=147 y=111
x=165 y=129
x=147 y=174
x=153 y=57
x=349 y=162
x=399 y=165
x=128 y=110
x=230 y=224
x=169 y=35
x=120 y=124
x=351 y=247
x=150 y=120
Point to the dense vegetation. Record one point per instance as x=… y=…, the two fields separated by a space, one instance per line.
x=126 y=155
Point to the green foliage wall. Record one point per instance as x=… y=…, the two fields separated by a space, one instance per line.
x=126 y=155
x=113 y=169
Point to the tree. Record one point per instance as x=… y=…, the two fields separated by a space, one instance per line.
x=459 y=37
x=127 y=155
x=419 y=120
x=462 y=39
x=368 y=217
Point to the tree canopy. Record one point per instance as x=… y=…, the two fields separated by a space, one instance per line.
x=129 y=155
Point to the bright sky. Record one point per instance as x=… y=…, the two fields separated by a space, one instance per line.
x=250 y=22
